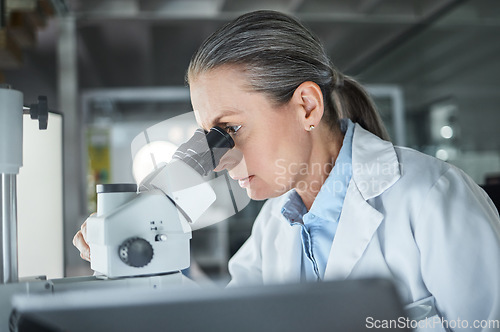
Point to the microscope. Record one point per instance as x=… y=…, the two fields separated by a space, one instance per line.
x=145 y=230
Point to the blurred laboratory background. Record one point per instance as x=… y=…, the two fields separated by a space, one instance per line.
x=111 y=69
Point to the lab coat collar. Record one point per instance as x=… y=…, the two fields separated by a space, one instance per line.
x=375 y=165
x=375 y=169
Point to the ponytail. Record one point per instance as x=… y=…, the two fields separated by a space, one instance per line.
x=350 y=100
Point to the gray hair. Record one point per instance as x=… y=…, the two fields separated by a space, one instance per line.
x=278 y=54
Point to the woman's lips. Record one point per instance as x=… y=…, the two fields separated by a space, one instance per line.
x=245 y=182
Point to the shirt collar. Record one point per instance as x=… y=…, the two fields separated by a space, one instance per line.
x=294 y=208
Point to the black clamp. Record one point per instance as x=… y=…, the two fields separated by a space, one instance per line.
x=40 y=112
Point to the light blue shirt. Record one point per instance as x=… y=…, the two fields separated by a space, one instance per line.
x=318 y=226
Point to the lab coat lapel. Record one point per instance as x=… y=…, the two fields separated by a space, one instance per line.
x=375 y=168
x=358 y=222
x=288 y=247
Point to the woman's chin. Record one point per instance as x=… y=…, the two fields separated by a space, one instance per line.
x=254 y=195
x=260 y=194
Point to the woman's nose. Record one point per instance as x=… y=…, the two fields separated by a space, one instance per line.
x=229 y=160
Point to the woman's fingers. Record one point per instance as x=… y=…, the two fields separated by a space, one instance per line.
x=80 y=243
x=83 y=230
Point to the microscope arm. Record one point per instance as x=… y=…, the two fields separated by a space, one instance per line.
x=187 y=189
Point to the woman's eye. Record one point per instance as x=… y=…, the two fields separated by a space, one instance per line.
x=232 y=129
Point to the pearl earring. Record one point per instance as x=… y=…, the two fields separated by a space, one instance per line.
x=311 y=127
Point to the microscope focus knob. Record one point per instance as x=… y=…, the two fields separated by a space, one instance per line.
x=136 y=252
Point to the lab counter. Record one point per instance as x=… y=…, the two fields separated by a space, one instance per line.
x=89 y=305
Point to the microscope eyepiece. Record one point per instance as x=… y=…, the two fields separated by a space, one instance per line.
x=204 y=150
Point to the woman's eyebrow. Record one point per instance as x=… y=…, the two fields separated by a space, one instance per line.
x=217 y=119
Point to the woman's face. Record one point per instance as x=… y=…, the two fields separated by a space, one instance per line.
x=271 y=146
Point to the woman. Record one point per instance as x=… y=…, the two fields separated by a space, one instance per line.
x=343 y=202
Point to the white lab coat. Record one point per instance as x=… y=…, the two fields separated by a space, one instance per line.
x=406 y=216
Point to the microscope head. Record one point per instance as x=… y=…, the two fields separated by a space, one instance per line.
x=204 y=150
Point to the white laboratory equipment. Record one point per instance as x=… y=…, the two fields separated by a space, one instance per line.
x=11 y=140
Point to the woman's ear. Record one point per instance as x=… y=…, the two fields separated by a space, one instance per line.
x=309 y=99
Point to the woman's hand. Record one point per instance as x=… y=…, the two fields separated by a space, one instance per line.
x=80 y=242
